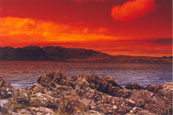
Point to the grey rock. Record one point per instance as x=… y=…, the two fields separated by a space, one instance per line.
x=5 y=88
x=5 y=106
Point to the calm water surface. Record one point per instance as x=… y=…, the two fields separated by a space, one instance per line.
x=25 y=73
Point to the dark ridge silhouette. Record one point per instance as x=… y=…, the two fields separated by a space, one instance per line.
x=50 y=53
x=47 y=53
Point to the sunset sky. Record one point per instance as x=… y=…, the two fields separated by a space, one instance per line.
x=117 y=27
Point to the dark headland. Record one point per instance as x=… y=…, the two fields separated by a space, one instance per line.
x=49 y=53
x=56 y=94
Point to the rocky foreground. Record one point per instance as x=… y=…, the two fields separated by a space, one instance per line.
x=56 y=94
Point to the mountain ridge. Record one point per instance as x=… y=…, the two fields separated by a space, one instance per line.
x=50 y=53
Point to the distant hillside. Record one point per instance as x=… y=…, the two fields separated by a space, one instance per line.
x=47 y=53
x=72 y=54
x=139 y=59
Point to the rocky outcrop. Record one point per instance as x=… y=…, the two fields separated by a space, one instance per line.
x=4 y=106
x=133 y=86
x=5 y=88
x=56 y=94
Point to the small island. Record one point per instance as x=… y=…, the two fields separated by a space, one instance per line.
x=56 y=94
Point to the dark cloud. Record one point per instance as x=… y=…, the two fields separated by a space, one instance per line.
x=163 y=41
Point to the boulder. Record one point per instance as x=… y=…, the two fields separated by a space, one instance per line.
x=166 y=87
x=154 y=88
x=150 y=101
x=103 y=84
x=139 y=111
x=89 y=103
x=43 y=100
x=34 y=111
x=69 y=104
x=125 y=93
x=164 y=90
x=134 y=86
x=5 y=106
x=41 y=111
x=20 y=95
x=51 y=79
x=79 y=82
x=5 y=88
x=112 y=105
x=4 y=83
x=36 y=88
x=92 y=112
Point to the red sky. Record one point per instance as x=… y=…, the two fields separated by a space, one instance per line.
x=117 y=27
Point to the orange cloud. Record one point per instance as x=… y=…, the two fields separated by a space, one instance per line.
x=131 y=10
x=18 y=32
x=26 y=30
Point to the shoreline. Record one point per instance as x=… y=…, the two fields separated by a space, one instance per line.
x=121 y=85
x=115 y=62
x=56 y=94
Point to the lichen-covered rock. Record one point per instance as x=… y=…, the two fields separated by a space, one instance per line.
x=43 y=100
x=91 y=112
x=4 y=83
x=34 y=111
x=103 y=84
x=167 y=86
x=41 y=111
x=165 y=92
x=5 y=88
x=5 y=106
x=154 y=88
x=112 y=105
x=53 y=78
x=134 y=86
x=165 y=89
x=139 y=111
x=69 y=104
x=21 y=96
x=36 y=88
x=125 y=93
x=150 y=101
x=56 y=94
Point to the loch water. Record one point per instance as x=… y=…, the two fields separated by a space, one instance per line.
x=24 y=73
